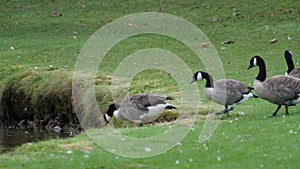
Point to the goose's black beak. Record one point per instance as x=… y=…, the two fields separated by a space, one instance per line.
x=193 y=81
x=250 y=66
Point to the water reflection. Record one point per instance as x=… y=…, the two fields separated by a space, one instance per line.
x=13 y=136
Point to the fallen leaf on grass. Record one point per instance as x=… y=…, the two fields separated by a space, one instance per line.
x=215 y=20
x=227 y=42
x=273 y=40
x=204 y=45
x=235 y=14
x=160 y=10
x=54 y=14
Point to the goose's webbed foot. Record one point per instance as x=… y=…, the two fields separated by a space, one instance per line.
x=275 y=112
x=225 y=111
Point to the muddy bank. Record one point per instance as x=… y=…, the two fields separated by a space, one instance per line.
x=44 y=99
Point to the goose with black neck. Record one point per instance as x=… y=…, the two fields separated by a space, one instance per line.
x=279 y=90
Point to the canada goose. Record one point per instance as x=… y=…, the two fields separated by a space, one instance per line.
x=141 y=108
x=224 y=91
x=292 y=71
x=279 y=90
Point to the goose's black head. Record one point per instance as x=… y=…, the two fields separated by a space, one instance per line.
x=200 y=75
x=289 y=61
x=197 y=76
x=288 y=54
x=110 y=112
x=258 y=61
x=255 y=61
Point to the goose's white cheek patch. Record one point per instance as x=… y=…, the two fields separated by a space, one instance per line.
x=254 y=62
x=199 y=76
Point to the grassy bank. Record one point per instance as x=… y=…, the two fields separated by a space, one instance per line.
x=41 y=41
x=249 y=142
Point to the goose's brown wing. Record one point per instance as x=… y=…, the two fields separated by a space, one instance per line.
x=295 y=73
x=283 y=88
x=145 y=100
x=234 y=89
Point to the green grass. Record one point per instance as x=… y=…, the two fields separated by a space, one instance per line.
x=248 y=141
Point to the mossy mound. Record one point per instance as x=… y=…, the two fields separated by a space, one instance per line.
x=51 y=98
x=44 y=97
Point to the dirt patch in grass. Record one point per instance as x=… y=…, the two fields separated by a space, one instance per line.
x=84 y=146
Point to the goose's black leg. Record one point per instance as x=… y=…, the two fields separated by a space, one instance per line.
x=286 y=109
x=226 y=111
x=275 y=112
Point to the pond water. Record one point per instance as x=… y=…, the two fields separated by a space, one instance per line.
x=12 y=136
